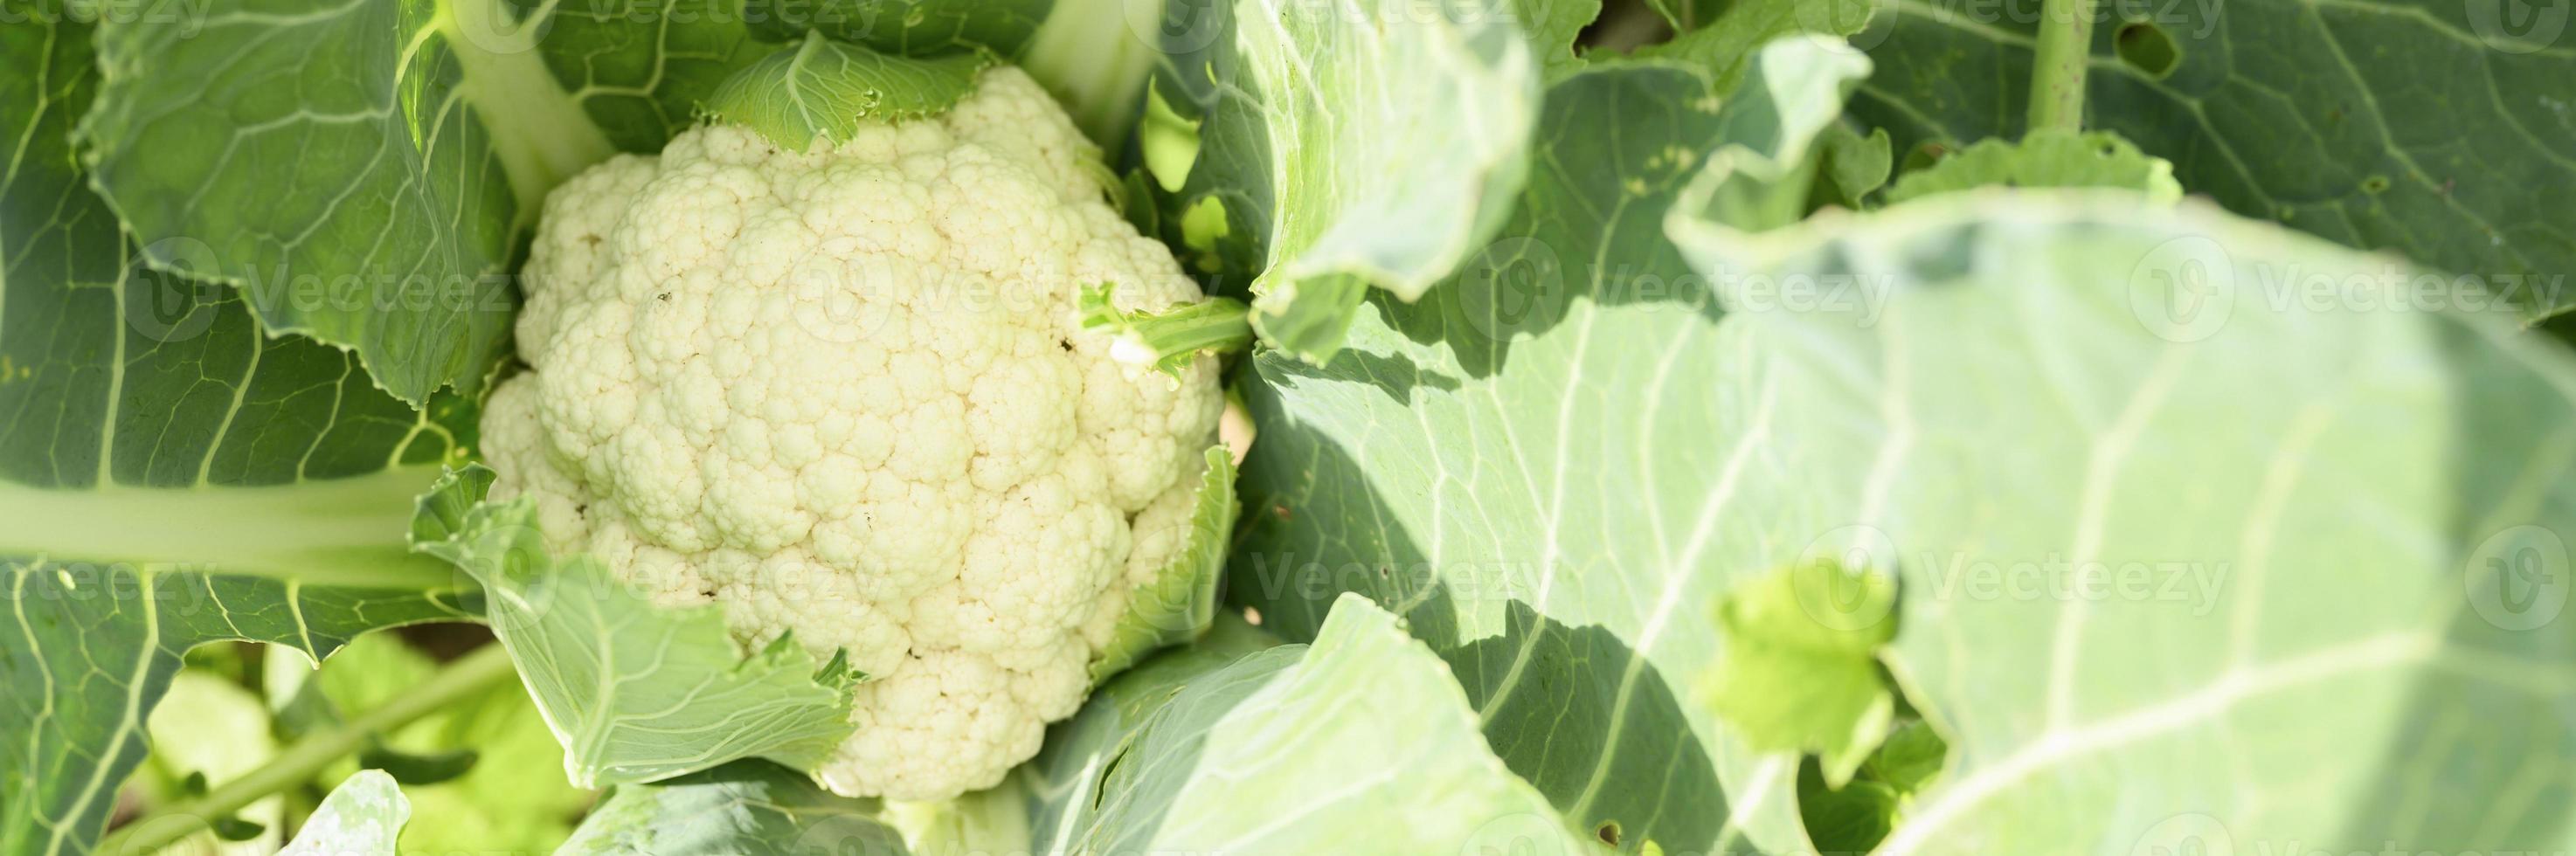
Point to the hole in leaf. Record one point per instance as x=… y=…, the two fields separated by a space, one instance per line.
x=1608 y=832
x=2147 y=48
x=2375 y=184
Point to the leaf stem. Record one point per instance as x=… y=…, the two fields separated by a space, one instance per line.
x=2057 y=73
x=466 y=676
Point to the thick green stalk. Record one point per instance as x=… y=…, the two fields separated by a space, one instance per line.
x=2057 y=74
x=468 y=675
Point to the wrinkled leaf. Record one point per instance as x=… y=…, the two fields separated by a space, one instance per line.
x=1801 y=665
x=2049 y=158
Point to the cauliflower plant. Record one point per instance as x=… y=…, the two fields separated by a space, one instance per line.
x=843 y=393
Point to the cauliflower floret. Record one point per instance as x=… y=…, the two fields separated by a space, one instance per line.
x=843 y=394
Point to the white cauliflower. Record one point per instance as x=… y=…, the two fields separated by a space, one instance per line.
x=843 y=393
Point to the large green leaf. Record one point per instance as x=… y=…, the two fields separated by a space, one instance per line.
x=1360 y=743
x=2436 y=128
x=741 y=807
x=635 y=691
x=1386 y=167
x=364 y=171
x=2185 y=563
x=1539 y=464
x=169 y=475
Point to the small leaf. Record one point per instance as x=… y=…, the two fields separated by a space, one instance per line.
x=1799 y=669
x=418 y=768
x=822 y=91
x=234 y=828
x=1168 y=339
x=2047 y=158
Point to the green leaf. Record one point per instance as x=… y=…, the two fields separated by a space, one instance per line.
x=364 y=172
x=1537 y=464
x=2100 y=403
x=1387 y=169
x=635 y=692
x=741 y=807
x=1178 y=603
x=1169 y=339
x=2422 y=128
x=1850 y=166
x=821 y=91
x=362 y=815
x=1801 y=666
x=1169 y=142
x=1856 y=816
x=1359 y=743
x=170 y=475
x=2045 y=159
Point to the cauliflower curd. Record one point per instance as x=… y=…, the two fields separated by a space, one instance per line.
x=843 y=394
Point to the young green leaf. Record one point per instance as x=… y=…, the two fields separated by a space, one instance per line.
x=1800 y=670
x=1167 y=339
x=820 y=90
x=2045 y=159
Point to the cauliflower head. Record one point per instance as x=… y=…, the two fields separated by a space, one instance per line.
x=843 y=393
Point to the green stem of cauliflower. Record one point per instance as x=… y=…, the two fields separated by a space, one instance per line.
x=2057 y=74
x=468 y=676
